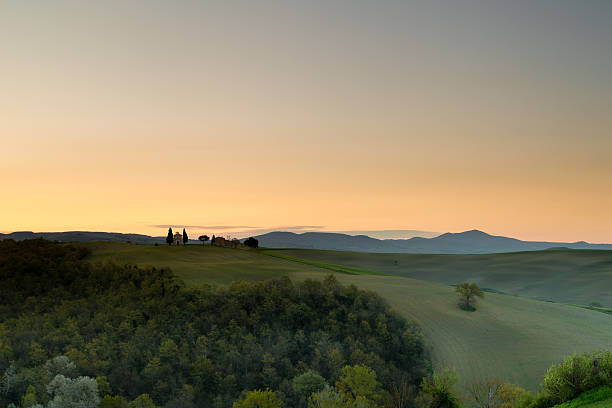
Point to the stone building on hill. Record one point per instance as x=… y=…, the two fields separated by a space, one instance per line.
x=178 y=239
x=220 y=241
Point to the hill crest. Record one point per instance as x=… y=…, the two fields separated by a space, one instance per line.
x=466 y=242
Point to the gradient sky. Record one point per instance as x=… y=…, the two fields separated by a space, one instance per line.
x=344 y=115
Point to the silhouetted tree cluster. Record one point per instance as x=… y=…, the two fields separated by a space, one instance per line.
x=251 y=242
x=145 y=338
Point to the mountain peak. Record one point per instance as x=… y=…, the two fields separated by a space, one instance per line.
x=475 y=232
x=465 y=234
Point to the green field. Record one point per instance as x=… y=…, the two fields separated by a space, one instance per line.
x=511 y=338
x=597 y=398
x=569 y=276
x=197 y=264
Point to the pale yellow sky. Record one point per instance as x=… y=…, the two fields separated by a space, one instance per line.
x=409 y=115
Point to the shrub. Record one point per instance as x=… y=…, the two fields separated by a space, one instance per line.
x=487 y=393
x=513 y=396
x=578 y=374
x=440 y=390
x=113 y=402
x=143 y=401
x=328 y=397
x=307 y=383
x=251 y=242
x=259 y=399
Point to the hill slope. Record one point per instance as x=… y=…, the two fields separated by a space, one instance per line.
x=197 y=264
x=468 y=242
x=512 y=338
x=597 y=398
x=569 y=276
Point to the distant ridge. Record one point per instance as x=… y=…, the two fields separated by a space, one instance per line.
x=84 y=236
x=467 y=242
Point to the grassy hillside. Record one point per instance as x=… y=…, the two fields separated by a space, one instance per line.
x=512 y=338
x=569 y=276
x=598 y=398
x=198 y=264
x=508 y=337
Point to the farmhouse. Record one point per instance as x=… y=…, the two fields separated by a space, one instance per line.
x=220 y=241
x=178 y=239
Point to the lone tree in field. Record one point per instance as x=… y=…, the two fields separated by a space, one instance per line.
x=212 y=241
x=203 y=238
x=467 y=295
x=185 y=237
x=251 y=242
x=170 y=237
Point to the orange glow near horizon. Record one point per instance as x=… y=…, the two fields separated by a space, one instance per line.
x=232 y=116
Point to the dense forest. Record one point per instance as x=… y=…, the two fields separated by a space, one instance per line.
x=138 y=336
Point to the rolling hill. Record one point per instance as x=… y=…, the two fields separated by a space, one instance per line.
x=570 y=276
x=512 y=338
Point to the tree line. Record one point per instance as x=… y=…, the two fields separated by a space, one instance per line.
x=249 y=242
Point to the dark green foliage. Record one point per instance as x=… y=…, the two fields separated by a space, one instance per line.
x=578 y=374
x=575 y=377
x=185 y=237
x=440 y=390
x=113 y=402
x=305 y=384
x=203 y=238
x=251 y=242
x=145 y=333
x=259 y=399
x=170 y=237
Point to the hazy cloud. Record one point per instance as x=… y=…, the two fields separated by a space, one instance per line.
x=299 y=227
x=391 y=234
x=206 y=227
x=290 y=228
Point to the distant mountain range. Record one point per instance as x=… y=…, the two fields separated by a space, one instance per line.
x=84 y=236
x=468 y=242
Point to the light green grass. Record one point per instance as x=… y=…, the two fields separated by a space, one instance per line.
x=568 y=276
x=197 y=264
x=350 y=270
x=511 y=338
x=598 y=398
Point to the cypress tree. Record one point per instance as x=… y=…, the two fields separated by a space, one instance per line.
x=212 y=241
x=170 y=237
x=185 y=237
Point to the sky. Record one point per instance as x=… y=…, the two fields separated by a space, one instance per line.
x=343 y=115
